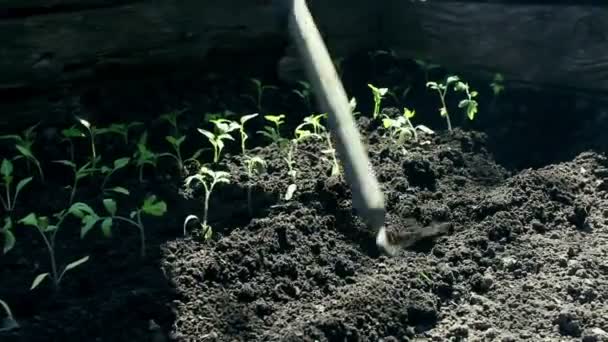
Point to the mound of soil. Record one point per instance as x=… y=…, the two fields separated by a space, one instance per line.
x=526 y=258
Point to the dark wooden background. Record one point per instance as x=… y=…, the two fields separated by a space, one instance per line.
x=48 y=45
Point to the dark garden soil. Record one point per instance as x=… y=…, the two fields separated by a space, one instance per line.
x=525 y=188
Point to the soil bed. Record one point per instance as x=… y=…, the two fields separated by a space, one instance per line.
x=526 y=258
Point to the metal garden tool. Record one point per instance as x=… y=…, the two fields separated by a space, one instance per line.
x=367 y=198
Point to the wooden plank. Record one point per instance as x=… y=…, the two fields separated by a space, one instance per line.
x=61 y=46
x=540 y=44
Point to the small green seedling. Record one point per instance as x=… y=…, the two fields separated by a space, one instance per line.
x=223 y=129
x=144 y=156
x=6 y=169
x=442 y=89
x=79 y=174
x=7 y=232
x=469 y=104
x=401 y=129
x=23 y=144
x=171 y=118
x=260 y=90
x=49 y=232
x=93 y=131
x=291 y=149
x=68 y=135
x=255 y=165
x=121 y=129
x=426 y=67
x=497 y=84
x=314 y=122
x=209 y=179
x=7 y=323
x=176 y=143
x=397 y=95
x=241 y=126
x=150 y=206
x=273 y=133
x=331 y=152
x=118 y=164
x=353 y=105
x=378 y=96
x=304 y=94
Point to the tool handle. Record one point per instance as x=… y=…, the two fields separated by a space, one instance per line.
x=367 y=198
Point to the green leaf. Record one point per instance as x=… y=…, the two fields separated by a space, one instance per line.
x=246 y=118
x=66 y=163
x=22 y=183
x=72 y=132
x=84 y=122
x=153 y=207
x=30 y=220
x=472 y=110
x=76 y=263
x=110 y=206
x=7 y=168
x=106 y=227
x=88 y=222
x=208 y=232
x=409 y=113
x=463 y=103
x=80 y=209
x=120 y=190
x=9 y=241
x=25 y=151
x=206 y=133
x=452 y=79
x=121 y=162
x=38 y=280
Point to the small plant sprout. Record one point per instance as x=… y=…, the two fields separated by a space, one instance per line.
x=304 y=94
x=241 y=126
x=469 y=104
x=497 y=84
x=209 y=179
x=426 y=67
x=273 y=133
x=79 y=174
x=6 y=169
x=291 y=149
x=7 y=232
x=397 y=95
x=260 y=89
x=23 y=144
x=121 y=129
x=378 y=96
x=314 y=122
x=7 y=323
x=68 y=135
x=331 y=152
x=353 y=105
x=401 y=129
x=442 y=89
x=92 y=134
x=223 y=129
x=176 y=143
x=144 y=156
x=49 y=232
x=150 y=206
x=118 y=164
x=171 y=119
x=255 y=165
